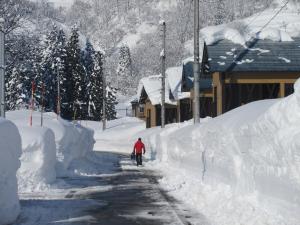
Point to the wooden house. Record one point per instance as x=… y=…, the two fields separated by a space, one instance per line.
x=149 y=95
x=262 y=69
x=137 y=109
x=206 y=95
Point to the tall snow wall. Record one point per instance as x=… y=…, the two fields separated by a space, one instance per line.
x=10 y=152
x=244 y=163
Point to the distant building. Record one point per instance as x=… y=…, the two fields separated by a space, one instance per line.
x=149 y=97
x=137 y=109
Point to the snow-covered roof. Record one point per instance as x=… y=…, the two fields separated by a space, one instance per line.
x=256 y=55
x=152 y=86
x=174 y=79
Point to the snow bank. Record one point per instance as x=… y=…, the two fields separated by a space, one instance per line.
x=73 y=142
x=38 y=159
x=10 y=152
x=244 y=163
x=51 y=148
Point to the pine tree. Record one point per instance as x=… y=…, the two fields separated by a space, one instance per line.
x=17 y=97
x=20 y=73
x=52 y=65
x=48 y=73
x=74 y=99
x=96 y=88
x=124 y=71
x=111 y=102
x=88 y=62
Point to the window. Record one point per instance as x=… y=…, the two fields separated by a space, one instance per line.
x=142 y=107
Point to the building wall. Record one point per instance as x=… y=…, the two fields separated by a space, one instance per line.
x=150 y=114
x=231 y=90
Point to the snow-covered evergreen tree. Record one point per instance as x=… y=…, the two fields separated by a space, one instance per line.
x=74 y=102
x=52 y=65
x=17 y=97
x=48 y=69
x=21 y=72
x=111 y=102
x=125 y=77
x=96 y=88
x=88 y=62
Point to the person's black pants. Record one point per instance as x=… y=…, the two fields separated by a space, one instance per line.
x=139 y=160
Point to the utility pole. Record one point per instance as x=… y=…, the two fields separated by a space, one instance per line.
x=2 y=68
x=163 y=74
x=104 y=101
x=196 y=63
x=58 y=91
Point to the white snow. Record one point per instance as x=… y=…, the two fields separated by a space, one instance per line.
x=213 y=34
x=10 y=152
x=132 y=39
x=38 y=159
x=119 y=135
x=285 y=59
x=174 y=79
x=152 y=85
x=48 y=152
x=238 y=168
x=244 y=163
x=283 y=27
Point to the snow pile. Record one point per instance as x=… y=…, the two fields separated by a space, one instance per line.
x=10 y=152
x=73 y=142
x=244 y=163
x=283 y=27
x=216 y=33
x=38 y=159
x=48 y=152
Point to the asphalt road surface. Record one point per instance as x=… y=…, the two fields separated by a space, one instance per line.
x=127 y=196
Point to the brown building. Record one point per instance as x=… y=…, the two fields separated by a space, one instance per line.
x=262 y=69
x=137 y=109
x=149 y=97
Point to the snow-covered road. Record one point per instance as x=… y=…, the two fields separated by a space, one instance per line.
x=124 y=195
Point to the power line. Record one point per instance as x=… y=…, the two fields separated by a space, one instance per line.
x=273 y=17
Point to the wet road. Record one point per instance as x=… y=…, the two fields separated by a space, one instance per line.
x=127 y=195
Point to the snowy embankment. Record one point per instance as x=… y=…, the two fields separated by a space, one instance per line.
x=239 y=168
x=48 y=152
x=10 y=152
x=119 y=135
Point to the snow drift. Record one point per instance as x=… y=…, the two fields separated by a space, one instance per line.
x=244 y=163
x=10 y=152
x=49 y=151
x=38 y=159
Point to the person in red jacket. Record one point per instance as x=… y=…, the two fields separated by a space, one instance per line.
x=138 y=150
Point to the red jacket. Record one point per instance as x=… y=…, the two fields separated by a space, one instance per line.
x=139 y=147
